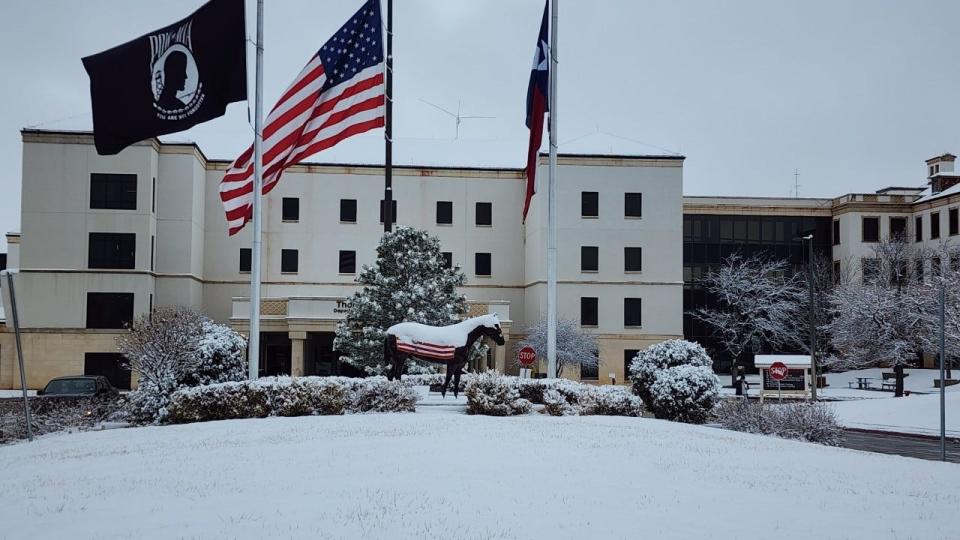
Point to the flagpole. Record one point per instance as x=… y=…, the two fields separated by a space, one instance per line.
x=388 y=132
x=552 y=205
x=253 y=350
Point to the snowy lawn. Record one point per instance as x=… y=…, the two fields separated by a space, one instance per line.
x=909 y=414
x=440 y=474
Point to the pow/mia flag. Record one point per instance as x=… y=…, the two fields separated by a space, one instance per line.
x=171 y=79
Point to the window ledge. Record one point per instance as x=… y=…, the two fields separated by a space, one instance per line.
x=485 y=226
x=347 y=274
x=244 y=272
x=632 y=217
x=488 y=276
x=289 y=273
x=633 y=327
x=589 y=271
x=589 y=217
x=444 y=224
x=633 y=271
x=290 y=221
x=350 y=222
x=589 y=326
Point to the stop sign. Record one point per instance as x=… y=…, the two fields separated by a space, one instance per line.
x=778 y=371
x=527 y=356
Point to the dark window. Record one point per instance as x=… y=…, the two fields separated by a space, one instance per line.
x=246 y=256
x=870 y=268
x=918 y=229
x=484 y=213
x=936 y=267
x=934 y=225
x=291 y=209
x=153 y=249
x=348 y=262
x=952 y=220
x=109 y=310
x=589 y=256
x=589 y=204
x=482 y=264
x=633 y=205
x=588 y=311
x=392 y=206
x=836 y=232
x=589 y=373
x=113 y=191
x=153 y=203
x=444 y=212
x=632 y=259
x=447 y=259
x=3 y=261
x=898 y=228
x=113 y=366
x=348 y=210
x=632 y=312
x=871 y=229
x=628 y=356
x=112 y=250
x=289 y=261
x=836 y=272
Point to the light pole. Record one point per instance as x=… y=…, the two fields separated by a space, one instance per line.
x=813 y=320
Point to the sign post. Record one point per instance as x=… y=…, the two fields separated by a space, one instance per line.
x=527 y=356
x=778 y=372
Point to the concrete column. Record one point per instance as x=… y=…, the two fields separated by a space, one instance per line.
x=297 y=341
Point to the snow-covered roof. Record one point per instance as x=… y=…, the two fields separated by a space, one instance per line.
x=791 y=360
x=952 y=190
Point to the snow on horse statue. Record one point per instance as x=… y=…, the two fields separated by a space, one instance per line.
x=448 y=345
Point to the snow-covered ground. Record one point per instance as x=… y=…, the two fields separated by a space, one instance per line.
x=910 y=414
x=438 y=473
x=844 y=385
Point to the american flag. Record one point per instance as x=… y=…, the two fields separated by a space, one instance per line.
x=338 y=94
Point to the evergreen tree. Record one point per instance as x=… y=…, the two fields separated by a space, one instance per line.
x=408 y=283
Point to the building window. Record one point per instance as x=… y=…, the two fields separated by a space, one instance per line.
x=246 y=256
x=482 y=264
x=589 y=373
x=898 y=228
x=348 y=211
x=444 y=212
x=836 y=272
x=918 y=229
x=109 y=310
x=934 y=225
x=589 y=204
x=632 y=259
x=871 y=229
x=113 y=366
x=628 y=356
x=447 y=259
x=633 y=205
x=952 y=221
x=112 y=250
x=289 y=261
x=589 y=312
x=870 y=268
x=484 y=214
x=836 y=232
x=113 y=191
x=153 y=251
x=392 y=206
x=153 y=201
x=632 y=312
x=348 y=262
x=291 y=209
x=589 y=256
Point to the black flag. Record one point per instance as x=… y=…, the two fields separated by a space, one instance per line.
x=171 y=79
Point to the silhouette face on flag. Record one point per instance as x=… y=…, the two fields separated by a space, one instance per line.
x=338 y=94
x=537 y=105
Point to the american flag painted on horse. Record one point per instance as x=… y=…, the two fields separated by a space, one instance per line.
x=423 y=349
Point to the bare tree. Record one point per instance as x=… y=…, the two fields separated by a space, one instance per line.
x=575 y=348
x=159 y=342
x=927 y=292
x=760 y=302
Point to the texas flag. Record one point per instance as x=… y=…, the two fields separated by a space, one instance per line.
x=537 y=105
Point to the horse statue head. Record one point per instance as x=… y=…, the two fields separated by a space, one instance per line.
x=489 y=325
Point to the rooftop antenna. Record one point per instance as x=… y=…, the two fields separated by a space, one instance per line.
x=457 y=116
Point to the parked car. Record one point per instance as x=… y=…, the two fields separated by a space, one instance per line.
x=85 y=385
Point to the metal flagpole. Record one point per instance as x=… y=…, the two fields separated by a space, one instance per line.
x=16 y=332
x=254 y=347
x=943 y=361
x=552 y=204
x=388 y=132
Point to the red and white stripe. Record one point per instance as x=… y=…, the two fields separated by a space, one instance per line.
x=427 y=350
x=304 y=122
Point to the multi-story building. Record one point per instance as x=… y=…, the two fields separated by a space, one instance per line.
x=103 y=239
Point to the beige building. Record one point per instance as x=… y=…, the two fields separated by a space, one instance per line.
x=105 y=238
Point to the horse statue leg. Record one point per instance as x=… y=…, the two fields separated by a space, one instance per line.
x=456 y=379
x=446 y=382
x=388 y=357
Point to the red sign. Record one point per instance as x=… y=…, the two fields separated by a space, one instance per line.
x=778 y=371
x=527 y=356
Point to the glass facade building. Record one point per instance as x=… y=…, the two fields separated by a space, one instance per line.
x=709 y=239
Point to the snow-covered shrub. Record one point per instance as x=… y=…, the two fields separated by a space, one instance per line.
x=221 y=401
x=51 y=414
x=556 y=404
x=804 y=421
x=493 y=394
x=675 y=380
x=609 y=401
x=377 y=394
x=221 y=356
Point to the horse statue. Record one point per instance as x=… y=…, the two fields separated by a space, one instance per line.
x=448 y=345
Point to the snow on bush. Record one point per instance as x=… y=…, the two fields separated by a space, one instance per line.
x=286 y=396
x=493 y=394
x=556 y=404
x=804 y=421
x=51 y=414
x=675 y=380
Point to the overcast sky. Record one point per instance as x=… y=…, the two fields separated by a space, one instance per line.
x=854 y=94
